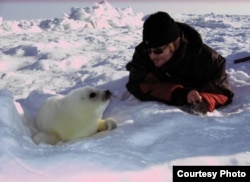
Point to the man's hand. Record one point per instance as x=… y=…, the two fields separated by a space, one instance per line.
x=193 y=96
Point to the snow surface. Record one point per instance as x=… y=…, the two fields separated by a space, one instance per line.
x=91 y=46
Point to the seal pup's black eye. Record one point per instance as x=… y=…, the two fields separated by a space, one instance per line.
x=92 y=95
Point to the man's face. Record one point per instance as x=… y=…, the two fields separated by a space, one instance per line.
x=161 y=55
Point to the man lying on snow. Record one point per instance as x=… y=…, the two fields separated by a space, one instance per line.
x=174 y=66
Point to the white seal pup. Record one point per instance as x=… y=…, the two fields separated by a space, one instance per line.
x=73 y=116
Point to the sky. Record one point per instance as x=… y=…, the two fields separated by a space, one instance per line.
x=38 y=9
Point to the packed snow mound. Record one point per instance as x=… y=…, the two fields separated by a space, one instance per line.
x=101 y=16
x=12 y=114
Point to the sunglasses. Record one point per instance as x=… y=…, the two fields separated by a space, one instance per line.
x=158 y=50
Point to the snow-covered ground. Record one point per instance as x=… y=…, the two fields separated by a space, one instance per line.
x=91 y=46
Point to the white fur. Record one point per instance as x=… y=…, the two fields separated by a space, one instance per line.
x=73 y=116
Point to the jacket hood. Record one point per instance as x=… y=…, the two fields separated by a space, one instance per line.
x=190 y=33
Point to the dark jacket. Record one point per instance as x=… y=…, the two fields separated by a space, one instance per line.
x=193 y=66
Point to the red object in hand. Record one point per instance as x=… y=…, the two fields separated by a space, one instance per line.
x=214 y=100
